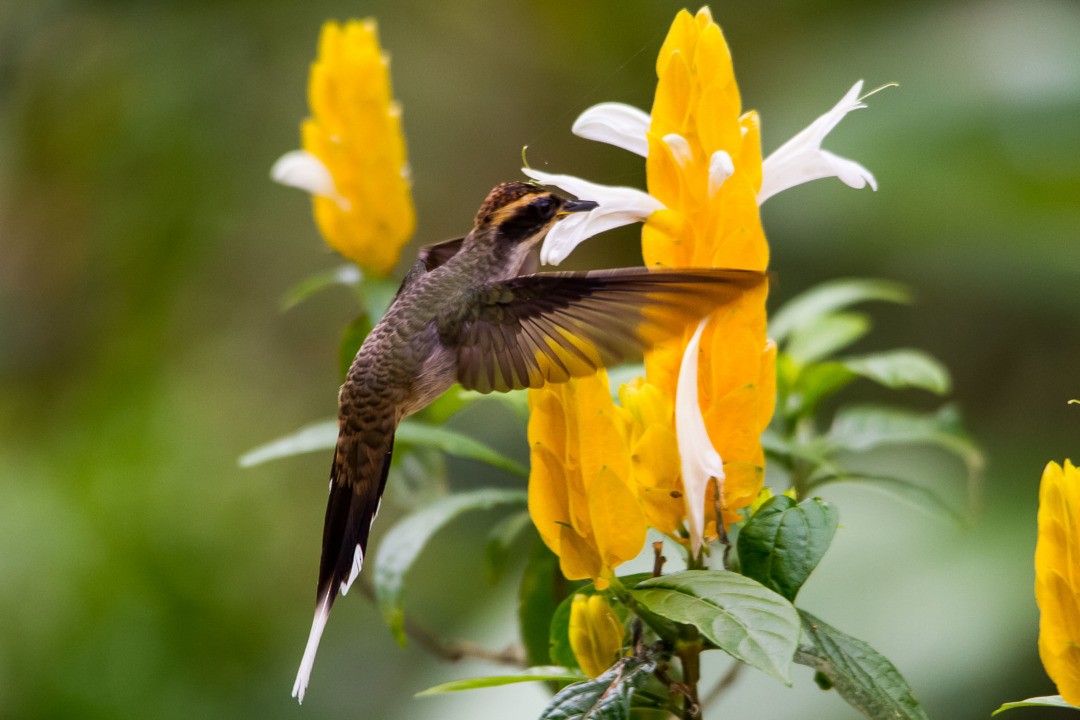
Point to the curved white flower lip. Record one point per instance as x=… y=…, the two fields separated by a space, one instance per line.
x=617 y=206
x=801 y=158
x=698 y=457
x=300 y=169
x=617 y=124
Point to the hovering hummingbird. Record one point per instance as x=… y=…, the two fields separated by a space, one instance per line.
x=473 y=311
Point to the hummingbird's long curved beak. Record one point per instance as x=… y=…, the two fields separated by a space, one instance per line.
x=573 y=206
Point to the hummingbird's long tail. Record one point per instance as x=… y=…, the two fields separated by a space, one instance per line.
x=357 y=480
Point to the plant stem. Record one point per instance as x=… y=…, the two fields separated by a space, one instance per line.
x=453 y=651
x=690 y=656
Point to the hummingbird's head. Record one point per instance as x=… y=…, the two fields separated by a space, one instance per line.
x=517 y=213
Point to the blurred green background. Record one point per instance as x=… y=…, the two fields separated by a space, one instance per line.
x=144 y=252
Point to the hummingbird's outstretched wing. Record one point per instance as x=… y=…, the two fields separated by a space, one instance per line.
x=549 y=327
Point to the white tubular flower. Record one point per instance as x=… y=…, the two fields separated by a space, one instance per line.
x=616 y=124
x=300 y=169
x=801 y=158
x=617 y=206
x=699 y=458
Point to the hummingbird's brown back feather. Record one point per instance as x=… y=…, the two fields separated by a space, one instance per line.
x=533 y=329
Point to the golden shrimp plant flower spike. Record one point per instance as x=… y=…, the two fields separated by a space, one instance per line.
x=353 y=160
x=706 y=182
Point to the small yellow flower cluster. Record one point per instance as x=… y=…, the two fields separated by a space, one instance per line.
x=355 y=131
x=1057 y=577
x=596 y=635
x=582 y=492
x=704 y=164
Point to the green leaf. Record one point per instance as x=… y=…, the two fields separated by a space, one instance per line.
x=825 y=336
x=352 y=337
x=1055 y=701
x=499 y=540
x=906 y=489
x=317 y=436
x=403 y=543
x=902 y=369
x=739 y=615
x=542 y=589
x=343 y=275
x=865 y=679
x=452 y=442
x=604 y=698
x=829 y=297
x=533 y=674
x=322 y=435
x=783 y=542
x=861 y=428
x=814 y=384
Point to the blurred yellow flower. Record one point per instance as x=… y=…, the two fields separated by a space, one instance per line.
x=582 y=496
x=353 y=159
x=596 y=635
x=1057 y=577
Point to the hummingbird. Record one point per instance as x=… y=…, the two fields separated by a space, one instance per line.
x=474 y=311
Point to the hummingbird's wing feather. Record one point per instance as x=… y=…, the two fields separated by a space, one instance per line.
x=357 y=480
x=534 y=329
x=435 y=255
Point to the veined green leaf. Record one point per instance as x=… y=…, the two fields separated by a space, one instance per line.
x=1045 y=701
x=825 y=336
x=902 y=369
x=861 y=428
x=814 y=384
x=347 y=274
x=322 y=435
x=452 y=442
x=604 y=698
x=317 y=436
x=865 y=679
x=906 y=489
x=829 y=297
x=783 y=542
x=737 y=614
x=532 y=674
x=499 y=540
x=404 y=542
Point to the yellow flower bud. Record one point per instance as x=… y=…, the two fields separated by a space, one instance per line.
x=596 y=635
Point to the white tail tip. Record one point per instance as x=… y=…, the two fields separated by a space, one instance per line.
x=322 y=612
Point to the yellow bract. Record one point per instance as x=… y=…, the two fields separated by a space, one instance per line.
x=355 y=131
x=1057 y=577
x=704 y=164
x=596 y=635
x=582 y=496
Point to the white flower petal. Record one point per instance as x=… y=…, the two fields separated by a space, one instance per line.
x=699 y=458
x=300 y=169
x=617 y=206
x=616 y=124
x=801 y=158
x=721 y=167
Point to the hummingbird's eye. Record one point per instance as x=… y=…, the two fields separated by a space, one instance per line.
x=545 y=207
